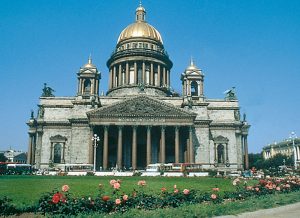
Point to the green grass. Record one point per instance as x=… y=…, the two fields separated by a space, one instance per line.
x=26 y=190
x=210 y=210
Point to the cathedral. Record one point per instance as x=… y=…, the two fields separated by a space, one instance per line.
x=140 y=120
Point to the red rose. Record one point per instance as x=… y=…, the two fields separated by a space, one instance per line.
x=56 y=198
x=105 y=198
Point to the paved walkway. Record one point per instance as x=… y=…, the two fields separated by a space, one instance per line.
x=288 y=211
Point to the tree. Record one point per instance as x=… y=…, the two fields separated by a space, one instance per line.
x=278 y=160
x=256 y=160
x=2 y=158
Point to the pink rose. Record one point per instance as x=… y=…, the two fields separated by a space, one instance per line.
x=163 y=189
x=112 y=182
x=257 y=189
x=141 y=183
x=213 y=196
x=249 y=188
x=65 y=188
x=216 y=189
x=118 y=201
x=125 y=197
x=116 y=185
x=277 y=188
x=186 y=191
x=287 y=186
x=176 y=191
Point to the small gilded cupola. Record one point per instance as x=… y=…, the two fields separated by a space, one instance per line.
x=192 y=82
x=140 y=13
x=88 y=80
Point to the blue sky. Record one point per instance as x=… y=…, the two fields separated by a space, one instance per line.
x=252 y=45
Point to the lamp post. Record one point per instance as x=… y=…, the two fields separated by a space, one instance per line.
x=292 y=137
x=96 y=139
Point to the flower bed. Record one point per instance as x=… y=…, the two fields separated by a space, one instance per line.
x=63 y=202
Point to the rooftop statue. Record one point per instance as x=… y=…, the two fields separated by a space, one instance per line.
x=230 y=94
x=47 y=91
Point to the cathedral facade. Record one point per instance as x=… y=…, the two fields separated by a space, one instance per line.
x=140 y=120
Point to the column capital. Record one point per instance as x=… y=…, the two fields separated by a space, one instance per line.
x=134 y=127
x=106 y=127
x=120 y=127
x=163 y=128
x=149 y=127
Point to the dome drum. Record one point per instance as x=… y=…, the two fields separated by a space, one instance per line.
x=139 y=60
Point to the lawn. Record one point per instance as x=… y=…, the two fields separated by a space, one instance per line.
x=26 y=190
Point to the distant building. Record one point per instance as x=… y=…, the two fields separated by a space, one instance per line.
x=284 y=147
x=15 y=156
x=140 y=120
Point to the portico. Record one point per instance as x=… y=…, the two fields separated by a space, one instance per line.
x=140 y=131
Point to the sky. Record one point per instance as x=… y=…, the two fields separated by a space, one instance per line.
x=251 y=45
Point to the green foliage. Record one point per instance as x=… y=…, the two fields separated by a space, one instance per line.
x=2 y=158
x=257 y=161
x=6 y=207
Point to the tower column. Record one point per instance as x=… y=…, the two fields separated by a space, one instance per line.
x=151 y=73
x=114 y=77
x=149 y=157
x=110 y=78
x=163 y=144
x=97 y=87
x=127 y=73
x=143 y=73
x=158 y=75
x=135 y=73
x=105 y=148
x=80 y=87
x=134 y=148
x=168 y=78
x=176 y=144
x=120 y=75
x=120 y=133
x=164 y=76
x=201 y=88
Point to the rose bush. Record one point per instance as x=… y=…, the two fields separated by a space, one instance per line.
x=64 y=203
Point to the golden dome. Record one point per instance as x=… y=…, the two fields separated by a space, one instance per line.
x=140 y=29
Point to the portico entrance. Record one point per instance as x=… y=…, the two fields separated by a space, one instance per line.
x=140 y=131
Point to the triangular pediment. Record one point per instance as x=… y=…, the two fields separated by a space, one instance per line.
x=220 y=139
x=141 y=106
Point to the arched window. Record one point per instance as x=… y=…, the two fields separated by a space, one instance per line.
x=87 y=86
x=221 y=155
x=57 y=153
x=194 y=88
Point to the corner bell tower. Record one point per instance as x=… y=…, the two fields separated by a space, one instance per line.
x=192 y=83
x=88 y=80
